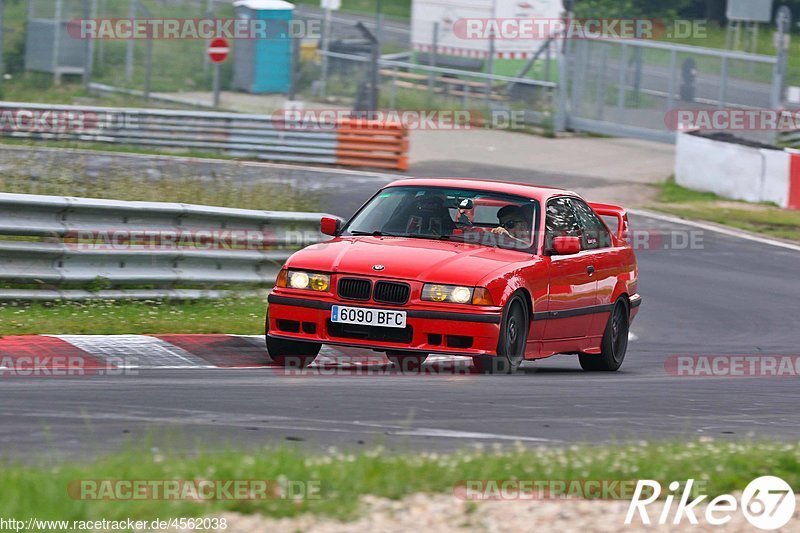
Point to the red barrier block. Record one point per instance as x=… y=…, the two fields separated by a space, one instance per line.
x=794 y=182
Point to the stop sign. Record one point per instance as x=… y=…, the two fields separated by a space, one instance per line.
x=218 y=50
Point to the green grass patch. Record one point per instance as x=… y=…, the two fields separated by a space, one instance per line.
x=765 y=219
x=40 y=490
x=221 y=190
x=119 y=148
x=242 y=316
x=671 y=192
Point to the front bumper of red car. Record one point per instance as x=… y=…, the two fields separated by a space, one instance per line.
x=427 y=330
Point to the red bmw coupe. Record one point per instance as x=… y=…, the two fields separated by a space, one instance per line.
x=500 y=272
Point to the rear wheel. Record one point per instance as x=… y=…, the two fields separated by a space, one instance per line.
x=292 y=354
x=614 y=344
x=407 y=361
x=512 y=342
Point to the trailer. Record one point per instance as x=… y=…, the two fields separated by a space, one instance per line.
x=511 y=29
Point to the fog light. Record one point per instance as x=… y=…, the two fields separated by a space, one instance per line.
x=319 y=282
x=438 y=293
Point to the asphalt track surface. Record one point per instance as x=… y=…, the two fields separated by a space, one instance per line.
x=727 y=296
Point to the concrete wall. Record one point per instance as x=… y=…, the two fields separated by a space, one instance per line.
x=733 y=170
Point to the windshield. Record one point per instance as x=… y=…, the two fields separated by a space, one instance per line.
x=461 y=215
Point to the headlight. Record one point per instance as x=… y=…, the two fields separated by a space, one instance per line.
x=308 y=280
x=447 y=293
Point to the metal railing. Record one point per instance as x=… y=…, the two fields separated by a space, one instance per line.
x=60 y=247
x=407 y=85
x=264 y=137
x=629 y=87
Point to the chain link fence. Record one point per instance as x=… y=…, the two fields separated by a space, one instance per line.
x=624 y=87
x=174 y=65
x=614 y=87
x=404 y=85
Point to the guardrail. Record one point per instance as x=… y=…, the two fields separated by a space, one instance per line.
x=55 y=247
x=355 y=143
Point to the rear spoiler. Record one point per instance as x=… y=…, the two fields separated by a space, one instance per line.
x=608 y=210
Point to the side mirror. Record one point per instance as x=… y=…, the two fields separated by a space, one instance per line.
x=330 y=226
x=567 y=245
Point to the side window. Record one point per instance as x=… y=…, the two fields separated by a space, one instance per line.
x=595 y=234
x=560 y=221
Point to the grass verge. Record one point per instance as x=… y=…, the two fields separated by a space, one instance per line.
x=223 y=189
x=40 y=490
x=242 y=316
x=765 y=219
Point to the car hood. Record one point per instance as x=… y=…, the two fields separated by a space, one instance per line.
x=409 y=259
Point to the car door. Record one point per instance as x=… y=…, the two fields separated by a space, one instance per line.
x=607 y=260
x=572 y=287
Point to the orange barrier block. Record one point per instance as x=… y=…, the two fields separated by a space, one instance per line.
x=374 y=144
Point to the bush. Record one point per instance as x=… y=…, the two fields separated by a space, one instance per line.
x=630 y=8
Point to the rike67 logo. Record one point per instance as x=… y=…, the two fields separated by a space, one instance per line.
x=768 y=503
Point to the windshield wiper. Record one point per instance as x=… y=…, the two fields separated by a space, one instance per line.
x=374 y=233
x=406 y=236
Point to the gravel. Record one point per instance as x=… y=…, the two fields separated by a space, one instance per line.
x=446 y=513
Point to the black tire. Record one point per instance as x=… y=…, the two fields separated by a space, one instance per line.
x=407 y=361
x=614 y=344
x=511 y=344
x=292 y=354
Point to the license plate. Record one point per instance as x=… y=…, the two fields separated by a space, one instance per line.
x=368 y=317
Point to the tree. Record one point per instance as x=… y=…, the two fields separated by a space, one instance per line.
x=631 y=8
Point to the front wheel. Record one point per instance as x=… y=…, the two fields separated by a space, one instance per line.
x=614 y=344
x=407 y=362
x=512 y=342
x=292 y=354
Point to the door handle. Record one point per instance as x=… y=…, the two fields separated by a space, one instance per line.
x=590 y=269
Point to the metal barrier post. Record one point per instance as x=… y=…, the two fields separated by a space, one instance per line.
x=623 y=64
x=2 y=35
x=393 y=90
x=91 y=12
x=723 y=83
x=783 y=20
x=56 y=42
x=673 y=79
x=130 y=44
x=434 y=52
x=326 y=30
